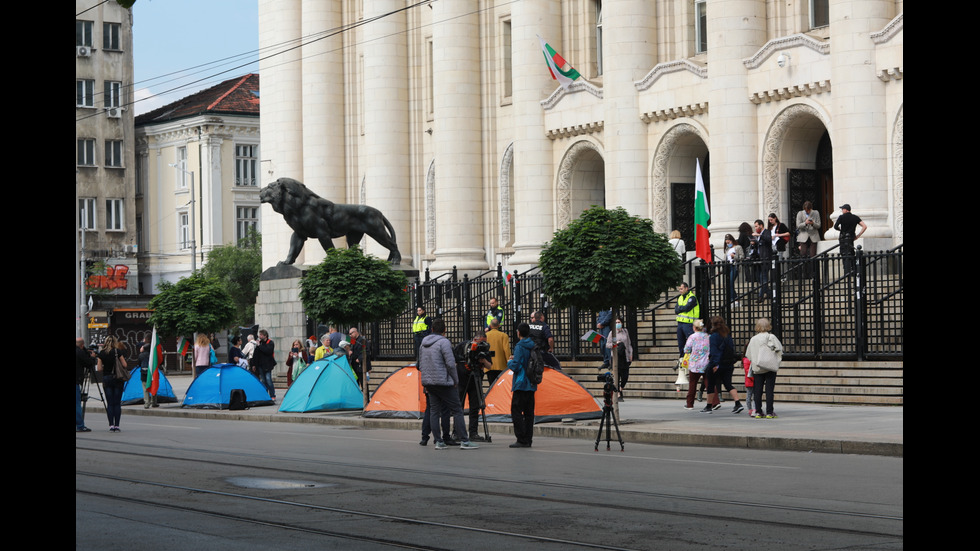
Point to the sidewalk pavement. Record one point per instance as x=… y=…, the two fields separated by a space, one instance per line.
x=867 y=430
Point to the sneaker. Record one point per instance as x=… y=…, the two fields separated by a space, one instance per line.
x=477 y=438
x=424 y=441
x=83 y=429
x=451 y=442
x=769 y=416
x=519 y=445
x=700 y=396
x=751 y=413
x=467 y=445
x=717 y=406
x=758 y=416
x=738 y=409
x=441 y=445
x=707 y=409
x=688 y=407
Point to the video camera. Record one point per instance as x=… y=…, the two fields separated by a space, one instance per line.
x=477 y=352
x=609 y=386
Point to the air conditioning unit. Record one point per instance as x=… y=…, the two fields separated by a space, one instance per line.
x=114 y=112
x=83 y=51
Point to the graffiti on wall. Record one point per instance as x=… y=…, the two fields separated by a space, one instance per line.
x=114 y=278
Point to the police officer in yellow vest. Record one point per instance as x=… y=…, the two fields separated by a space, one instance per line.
x=420 y=327
x=687 y=311
x=495 y=312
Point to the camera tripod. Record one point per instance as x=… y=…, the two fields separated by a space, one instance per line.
x=608 y=419
x=476 y=376
x=87 y=380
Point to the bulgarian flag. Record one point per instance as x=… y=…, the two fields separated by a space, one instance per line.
x=701 y=215
x=507 y=278
x=183 y=346
x=592 y=336
x=557 y=64
x=152 y=382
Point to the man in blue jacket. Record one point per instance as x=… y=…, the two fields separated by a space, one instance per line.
x=522 y=400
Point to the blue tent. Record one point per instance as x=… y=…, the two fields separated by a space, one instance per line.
x=212 y=389
x=326 y=385
x=133 y=393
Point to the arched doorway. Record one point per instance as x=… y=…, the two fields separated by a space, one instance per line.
x=798 y=167
x=581 y=181
x=675 y=162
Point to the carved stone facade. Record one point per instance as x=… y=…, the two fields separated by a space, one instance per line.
x=476 y=155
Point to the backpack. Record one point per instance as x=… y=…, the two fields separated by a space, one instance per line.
x=535 y=366
x=237 y=400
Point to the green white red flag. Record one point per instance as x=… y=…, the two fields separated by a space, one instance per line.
x=152 y=382
x=560 y=69
x=701 y=216
x=183 y=346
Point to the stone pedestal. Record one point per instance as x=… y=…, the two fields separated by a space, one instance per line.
x=279 y=311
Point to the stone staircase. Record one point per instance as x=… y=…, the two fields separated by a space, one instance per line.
x=652 y=374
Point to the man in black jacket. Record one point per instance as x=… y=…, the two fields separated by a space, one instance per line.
x=265 y=361
x=84 y=360
x=764 y=250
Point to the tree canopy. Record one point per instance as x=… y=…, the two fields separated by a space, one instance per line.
x=238 y=268
x=350 y=287
x=194 y=304
x=608 y=258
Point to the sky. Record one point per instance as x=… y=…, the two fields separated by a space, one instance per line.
x=191 y=45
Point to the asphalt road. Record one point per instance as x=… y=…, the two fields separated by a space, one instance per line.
x=184 y=483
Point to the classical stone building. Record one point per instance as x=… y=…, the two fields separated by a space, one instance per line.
x=198 y=160
x=445 y=116
x=106 y=230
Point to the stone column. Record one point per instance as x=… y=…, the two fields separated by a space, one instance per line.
x=534 y=166
x=323 y=110
x=282 y=117
x=736 y=29
x=629 y=52
x=457 y=137
x=386 y=123
x=860 y=131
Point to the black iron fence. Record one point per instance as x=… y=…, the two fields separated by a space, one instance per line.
x=463 y=302
x=828 y=307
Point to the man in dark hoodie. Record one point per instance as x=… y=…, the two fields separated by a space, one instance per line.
x=437 y=365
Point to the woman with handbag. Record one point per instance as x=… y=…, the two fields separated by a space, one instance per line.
x=697 y=349
x=296 y=362
x=765 y=352
x=115 y=373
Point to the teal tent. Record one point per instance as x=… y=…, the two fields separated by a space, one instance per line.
x=212 y=389
x=325 y=385
x=133 y=393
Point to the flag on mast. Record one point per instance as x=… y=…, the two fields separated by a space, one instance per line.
x=701 y=216
x=152 y=382
x=557 y=64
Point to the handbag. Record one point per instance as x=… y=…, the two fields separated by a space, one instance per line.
x=298 y=366
x=769 y=357
x=214 y=358
x=120 y=372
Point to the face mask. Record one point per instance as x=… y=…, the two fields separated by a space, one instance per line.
x=619 y=326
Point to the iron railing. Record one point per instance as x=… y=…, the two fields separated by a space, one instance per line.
x=827 y=307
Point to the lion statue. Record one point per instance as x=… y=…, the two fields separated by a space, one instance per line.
x=312 y=216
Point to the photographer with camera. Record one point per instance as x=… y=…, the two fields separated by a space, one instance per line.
x=472 y=359
x=84 y=362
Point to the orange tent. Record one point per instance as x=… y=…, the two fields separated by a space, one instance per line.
x=399 y=396
x=558 y=397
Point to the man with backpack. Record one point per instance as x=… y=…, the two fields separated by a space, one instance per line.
x=526 y=354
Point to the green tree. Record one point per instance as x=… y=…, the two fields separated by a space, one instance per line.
x=349 y=287
x=192 y=305
x=608 y=258
x=238 y=268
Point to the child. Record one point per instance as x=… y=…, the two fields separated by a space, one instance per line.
x=749 y=386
